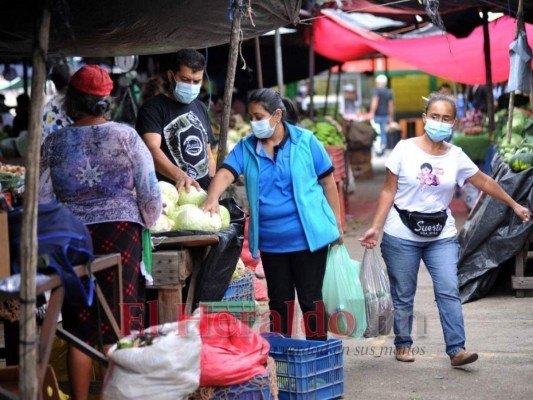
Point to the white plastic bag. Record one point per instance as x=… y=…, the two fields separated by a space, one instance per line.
x=167 y=369
x=376 y=286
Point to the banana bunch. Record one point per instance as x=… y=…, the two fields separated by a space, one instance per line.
x=329 y=134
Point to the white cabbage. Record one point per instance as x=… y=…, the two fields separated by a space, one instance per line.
x=169 y=195
x=194 y=219
x=224 y=216
x=195 y=196
x=163 y=224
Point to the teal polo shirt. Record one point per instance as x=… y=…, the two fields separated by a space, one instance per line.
x=280 y=229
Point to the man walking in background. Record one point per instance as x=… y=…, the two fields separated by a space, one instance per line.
x=382 y=109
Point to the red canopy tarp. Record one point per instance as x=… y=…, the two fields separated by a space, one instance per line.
x=458 y=60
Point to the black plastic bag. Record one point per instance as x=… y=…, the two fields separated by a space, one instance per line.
x=493 y=233
x=216 y=270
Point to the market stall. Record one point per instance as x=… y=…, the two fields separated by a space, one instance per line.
x=49 y=23
x=493 y=234
x=9 y=294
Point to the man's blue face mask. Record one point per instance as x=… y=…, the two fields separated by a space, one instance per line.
x=186 y=92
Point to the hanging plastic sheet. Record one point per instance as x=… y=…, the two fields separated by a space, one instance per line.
x=493 y=233
x=520 y=69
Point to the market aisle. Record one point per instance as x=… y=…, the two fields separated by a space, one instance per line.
x=499 y=327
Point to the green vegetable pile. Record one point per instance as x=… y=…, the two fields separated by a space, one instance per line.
x=518 y=153
x=326 y=130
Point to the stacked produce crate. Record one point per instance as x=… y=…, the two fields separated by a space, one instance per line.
x=307 y=369
x=331 y=134
x=359 y=137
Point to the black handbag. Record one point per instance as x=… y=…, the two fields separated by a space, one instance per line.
x=424 y=224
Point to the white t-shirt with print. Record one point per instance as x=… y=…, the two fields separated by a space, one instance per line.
x=426 y=183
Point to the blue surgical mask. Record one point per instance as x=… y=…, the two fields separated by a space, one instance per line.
x=438 y=131
x=186 y=92
x=262 y=128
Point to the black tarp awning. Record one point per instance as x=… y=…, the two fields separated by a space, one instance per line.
x=100 y=28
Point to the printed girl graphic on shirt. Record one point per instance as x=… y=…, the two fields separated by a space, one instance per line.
x=427 y=176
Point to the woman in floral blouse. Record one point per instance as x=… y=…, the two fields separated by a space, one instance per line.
x=105 y=174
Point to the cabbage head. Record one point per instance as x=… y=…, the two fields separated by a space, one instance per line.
x=173 y=214
x=224 y=216
x=195 y=196
x=163 y=224
x=169 y=195
x=194 y=219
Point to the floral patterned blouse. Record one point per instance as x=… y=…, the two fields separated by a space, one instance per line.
x=103 y=173
x=54 y=116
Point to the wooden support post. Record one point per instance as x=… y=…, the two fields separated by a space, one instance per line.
x=230 y=80
x=258 y=66
x=28 y=380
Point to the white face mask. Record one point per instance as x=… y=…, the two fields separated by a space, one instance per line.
x=262 y=128
x=438 y=131
x=186 y=92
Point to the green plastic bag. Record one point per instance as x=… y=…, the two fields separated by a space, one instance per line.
x=343 y=294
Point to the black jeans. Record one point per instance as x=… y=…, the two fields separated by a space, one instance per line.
x=302 y=271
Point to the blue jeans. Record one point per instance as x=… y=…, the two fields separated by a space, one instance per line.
x=402 y=258
x=382 y=121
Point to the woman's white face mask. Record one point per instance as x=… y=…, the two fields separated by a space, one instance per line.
x=262 y=129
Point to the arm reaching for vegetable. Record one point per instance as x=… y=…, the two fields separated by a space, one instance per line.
x=218 y=185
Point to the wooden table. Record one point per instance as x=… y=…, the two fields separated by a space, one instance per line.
x=520 y=282
x=173 y=263
x=411 y=127
x=49 y=327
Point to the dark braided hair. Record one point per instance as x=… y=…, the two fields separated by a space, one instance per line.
x=441 y=97
x=78 y=104
x=271 y=100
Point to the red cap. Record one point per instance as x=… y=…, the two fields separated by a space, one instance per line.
x=92 y=79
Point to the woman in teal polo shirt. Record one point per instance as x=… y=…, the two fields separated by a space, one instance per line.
x=294 y=208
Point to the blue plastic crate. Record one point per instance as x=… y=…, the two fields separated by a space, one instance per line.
x=257 y=388
x=241 y=289
x=308 y=369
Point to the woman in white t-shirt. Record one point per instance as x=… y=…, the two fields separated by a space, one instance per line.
x=421 y=176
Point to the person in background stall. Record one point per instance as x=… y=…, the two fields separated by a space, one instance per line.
x=54 y=114
x=175 y=125
x=6 y=118
x=22 y=117
x=408 y=240
x=294 y=208
x=105 y=174
x=382 y=109
x=445 y=88
x=152 y=87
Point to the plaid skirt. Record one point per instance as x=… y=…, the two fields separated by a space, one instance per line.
x=111 y=237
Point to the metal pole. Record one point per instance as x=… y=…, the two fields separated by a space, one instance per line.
x=279 y=63
x=327 y=89
x=339 y=76
x=258 y=66
x=230 y=80
x=28 y=378
x=488 y=74
x=311 y=75
x=519 y=27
